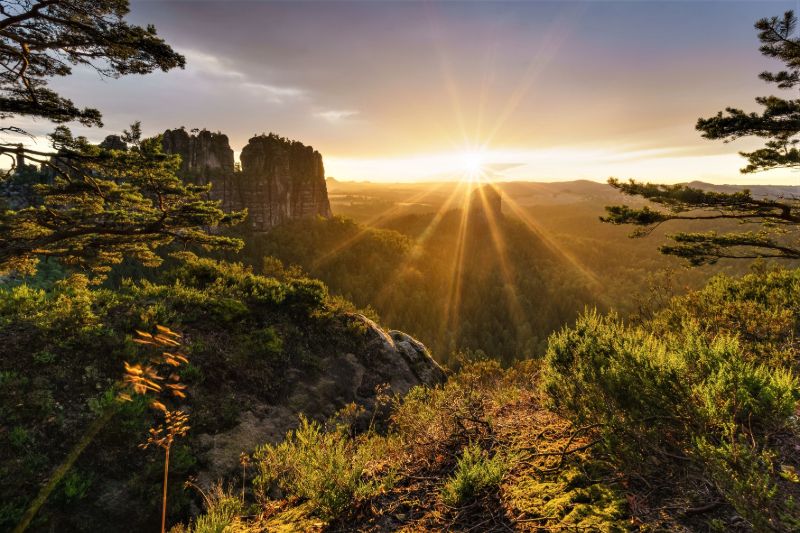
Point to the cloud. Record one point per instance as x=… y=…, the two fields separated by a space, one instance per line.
x=336 y=115
x=274 y=93
x=209 y=65
x=214 y=67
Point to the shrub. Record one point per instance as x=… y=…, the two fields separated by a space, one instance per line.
x=761 y=309
x=681 y=395
x=742 y=474
x=321 y=467
x=447 y=417
x=221 y=513
x=600 y=373
x=306 y=294
x=475 y=473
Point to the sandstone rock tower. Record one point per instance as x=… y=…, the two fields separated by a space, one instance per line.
x=285 y=179
x=279 y=180
x=205 y=156
x=485 y=200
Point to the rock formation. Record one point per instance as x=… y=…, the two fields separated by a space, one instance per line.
x=279 y=180
x=205 y=156
x=485 y=200
x=394 y=359
x=288 y=174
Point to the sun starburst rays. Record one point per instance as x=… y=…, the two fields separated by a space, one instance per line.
x=417 y=248
x=553 y=245
x=474 y=165
x=369 y=224
x=515 y=309
x=453 y=302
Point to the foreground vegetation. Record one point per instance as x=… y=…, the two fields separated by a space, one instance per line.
x=61 y=365
x=686 y=421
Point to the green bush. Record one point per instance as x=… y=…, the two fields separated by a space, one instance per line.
x=761 y=309
x=222 y=512
x=475 y=473
x=242 y=332
x=683 y=394
x=324 y=468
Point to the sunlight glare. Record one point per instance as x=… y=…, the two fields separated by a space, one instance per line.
x=471 y=165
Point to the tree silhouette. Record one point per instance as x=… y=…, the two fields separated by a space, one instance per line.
x=46 y=38
x=774 y=221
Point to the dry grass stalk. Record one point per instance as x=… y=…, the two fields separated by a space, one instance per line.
x=147 y=380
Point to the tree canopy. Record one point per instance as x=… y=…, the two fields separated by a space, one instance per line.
x=103 y=204
x=89 y=206
x=772 y=221
x=44 y=39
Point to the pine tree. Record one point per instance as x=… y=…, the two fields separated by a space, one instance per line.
x=43 y=39
x=94 y=205
x=774 y=220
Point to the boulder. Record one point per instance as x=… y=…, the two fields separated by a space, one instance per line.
x=394 y=359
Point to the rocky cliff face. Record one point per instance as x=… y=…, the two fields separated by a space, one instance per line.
x=288 y=174
x=205 y=156
x=392 y=359
x=279 y=180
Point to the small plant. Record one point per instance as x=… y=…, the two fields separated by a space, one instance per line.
x=321 y=467
x=145 y=380
x=222 y=510
x=475 y=473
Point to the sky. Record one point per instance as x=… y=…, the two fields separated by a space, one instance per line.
x=416 y=91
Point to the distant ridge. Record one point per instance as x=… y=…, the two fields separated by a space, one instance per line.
x=772 y=191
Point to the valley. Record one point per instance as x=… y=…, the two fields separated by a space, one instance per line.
x=394 y=309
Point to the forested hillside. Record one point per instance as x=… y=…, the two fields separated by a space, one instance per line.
x=468 y=356
x=500 y=285
x=259 y=349
x=464 y=284
x=683 y=422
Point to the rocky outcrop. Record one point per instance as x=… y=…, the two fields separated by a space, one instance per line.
x=485 y=200
x=289 y=174
x=394 y=359
x=206 y=157
x=279 y=180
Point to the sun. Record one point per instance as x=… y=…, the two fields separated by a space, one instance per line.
x=471 y=164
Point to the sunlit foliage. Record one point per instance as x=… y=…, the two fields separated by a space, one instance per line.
x=684 y=421
x=63 y=354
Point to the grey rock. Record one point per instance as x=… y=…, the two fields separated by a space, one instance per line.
x=392 y=358
x=279 y=180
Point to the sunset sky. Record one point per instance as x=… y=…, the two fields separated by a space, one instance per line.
x=418 y=91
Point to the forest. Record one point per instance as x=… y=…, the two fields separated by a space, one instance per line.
x=466 y=355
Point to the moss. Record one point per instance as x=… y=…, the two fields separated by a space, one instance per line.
x=571 y=499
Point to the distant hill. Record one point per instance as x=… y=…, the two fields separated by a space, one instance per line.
x=564 y=216
x=364 y=200
x=771 y=191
